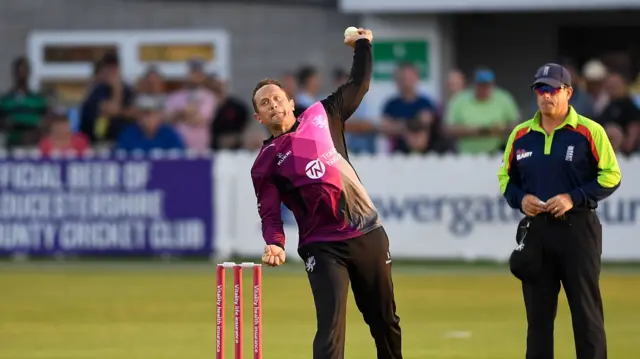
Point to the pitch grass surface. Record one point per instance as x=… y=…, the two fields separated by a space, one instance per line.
x=167 y=312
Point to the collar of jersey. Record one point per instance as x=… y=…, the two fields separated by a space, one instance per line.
x=292 y=129
x=570 y=120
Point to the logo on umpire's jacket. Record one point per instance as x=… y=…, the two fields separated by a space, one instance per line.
x=310 y=264
x=569 y=155
x=521 y=154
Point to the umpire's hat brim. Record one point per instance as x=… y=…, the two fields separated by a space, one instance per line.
x=547 y=81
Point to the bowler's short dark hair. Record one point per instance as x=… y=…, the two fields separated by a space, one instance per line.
x=262 y=83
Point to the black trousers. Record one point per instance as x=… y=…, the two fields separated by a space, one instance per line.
x=571 y=251
x=365 y=262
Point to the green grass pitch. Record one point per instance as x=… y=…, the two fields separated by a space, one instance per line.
x=129 y=311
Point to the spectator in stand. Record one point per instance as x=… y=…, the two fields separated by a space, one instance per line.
x=290 y=84
x=361 y=130
x=230 y=120
x=634 y=89
x=192 y=108
x=61 y=138
x=108 y=108
x=480 y=118
x=424 y=139
x=407 y=106
x=309 y=84
x=100 y=73
x=594 y=73
x=456 y=83
x=254 y=136
x=151 y=83
x=99 y=76
x=21 y=109
x=150 y=130
x=621 y=118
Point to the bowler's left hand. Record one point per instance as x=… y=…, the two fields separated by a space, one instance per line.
x=273 y=255
x=559 y=205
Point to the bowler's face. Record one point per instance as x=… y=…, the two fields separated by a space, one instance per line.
x=272 y=104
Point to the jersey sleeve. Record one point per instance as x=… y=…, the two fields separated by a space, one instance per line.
x=609 y=175
x=342 y=103
x=508 y=176
x=269 y=202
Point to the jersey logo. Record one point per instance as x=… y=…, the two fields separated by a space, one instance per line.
x=569 y=155
x=282 y=157
x=315 y=169
x=521 y=154
x=319 y=121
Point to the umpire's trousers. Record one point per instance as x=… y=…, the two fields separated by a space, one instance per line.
x=571 y=250
x=365 y=262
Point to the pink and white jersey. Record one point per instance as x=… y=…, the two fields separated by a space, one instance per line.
x=307 y=169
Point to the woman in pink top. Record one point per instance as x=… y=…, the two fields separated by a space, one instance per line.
x=192 y=108
x=61 y=137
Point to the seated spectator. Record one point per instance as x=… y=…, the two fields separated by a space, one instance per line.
x=150 y=130
x=230 y=120
x=423 y=139
x=634 y=89
x=309 y=84
x=151 y=83
x=616 y=137
x=290 y=84
x=594 y=73
x=108 y=108
x=21 y=109
x=407 y=106
x=621 y=118
x=61 y=138
x=480 y=118
x=456 y=83
x=361 y=130
x=191 y=109
x=253 y=137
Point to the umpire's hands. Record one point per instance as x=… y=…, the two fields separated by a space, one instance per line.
x=273 y=255
x=559 y=205
x=532 y=205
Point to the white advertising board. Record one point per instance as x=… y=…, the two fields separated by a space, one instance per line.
x=432 y=208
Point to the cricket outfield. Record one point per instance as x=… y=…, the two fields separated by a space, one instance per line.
x=132 y=311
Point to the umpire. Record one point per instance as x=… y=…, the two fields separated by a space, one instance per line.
x=556 y=168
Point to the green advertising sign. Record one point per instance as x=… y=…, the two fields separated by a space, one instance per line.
x=388 y=53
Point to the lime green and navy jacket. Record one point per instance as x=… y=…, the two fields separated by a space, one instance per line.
x=576 y=158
